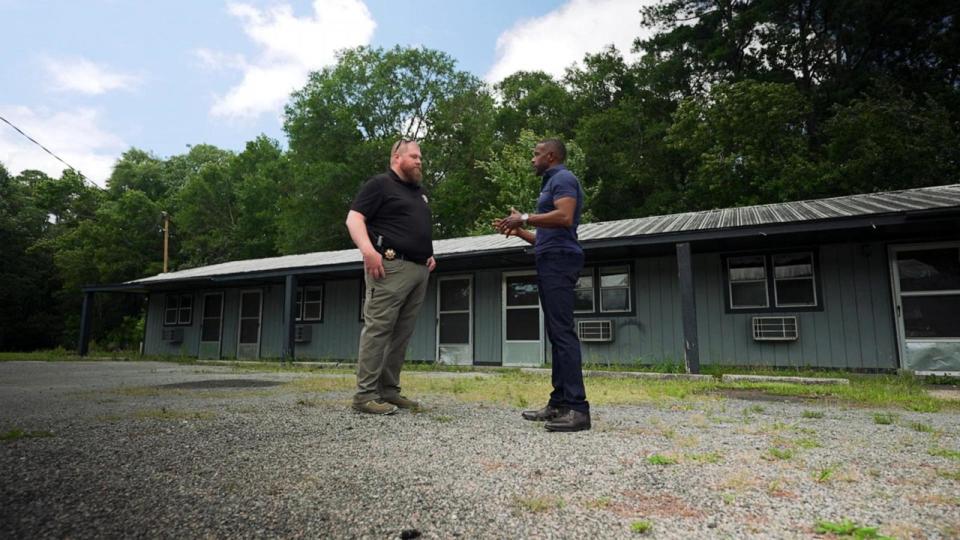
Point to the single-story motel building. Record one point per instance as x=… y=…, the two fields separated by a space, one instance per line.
x=865 y=282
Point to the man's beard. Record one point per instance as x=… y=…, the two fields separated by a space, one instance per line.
x=413 y=173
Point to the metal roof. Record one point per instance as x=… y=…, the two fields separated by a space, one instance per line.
x=836 y=208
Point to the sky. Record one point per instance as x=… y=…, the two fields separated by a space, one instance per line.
x=90 y=79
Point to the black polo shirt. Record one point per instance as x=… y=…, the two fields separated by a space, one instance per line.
x=400 y=212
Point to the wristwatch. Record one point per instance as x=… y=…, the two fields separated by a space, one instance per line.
x=524 y=217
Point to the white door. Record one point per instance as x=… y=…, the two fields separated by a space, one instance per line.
x=926 y=297
x=211 y=325
x=522 y=320
x=248 y=340
x=455 y=320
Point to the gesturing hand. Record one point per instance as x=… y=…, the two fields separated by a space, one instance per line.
x=510 y=223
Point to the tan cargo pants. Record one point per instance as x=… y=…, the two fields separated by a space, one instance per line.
x=390 y=310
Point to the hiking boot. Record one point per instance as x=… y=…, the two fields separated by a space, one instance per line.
x=375 y=406
x=402 y=402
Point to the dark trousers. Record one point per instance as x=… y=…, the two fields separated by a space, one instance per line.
x=557 y=274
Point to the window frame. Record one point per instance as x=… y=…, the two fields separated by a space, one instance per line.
x=812 y=279
x=591 y=273
x=178 y=308
x=770 y=281
x=302 y=305
x=594 y=269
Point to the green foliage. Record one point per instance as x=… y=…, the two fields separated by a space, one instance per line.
x=659 y=459
x=744 y=144
x=884 y=418
x=847 y=528
x=343 y=122
x=945 y=452
x=641 y=527
x=511 y=172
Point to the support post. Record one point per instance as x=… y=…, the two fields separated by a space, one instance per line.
x=83 y=346
x=289 y=318
x=688 y=307
x=166 y=240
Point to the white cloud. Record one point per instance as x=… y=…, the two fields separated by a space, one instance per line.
x=82 y=75
x=73 y=135
x=291 y=47
x=558 y=39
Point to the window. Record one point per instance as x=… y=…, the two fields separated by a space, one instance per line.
x=179 y=310
x=793 y=283
x=748 y=282
x=775 y=282
x=310 y=304
x=614 y=289
x=584 y=297
x=604 y=289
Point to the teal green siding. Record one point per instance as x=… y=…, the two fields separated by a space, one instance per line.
x=854 y=328
x=487 y=324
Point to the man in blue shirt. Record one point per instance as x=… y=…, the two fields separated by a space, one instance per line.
x=559 y=261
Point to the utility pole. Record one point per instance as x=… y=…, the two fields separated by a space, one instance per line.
x=166 y=240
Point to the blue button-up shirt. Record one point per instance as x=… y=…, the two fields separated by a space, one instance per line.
x=558 y=182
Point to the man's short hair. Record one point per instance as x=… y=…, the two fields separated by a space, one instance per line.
x=398 y=146
x=557 y=147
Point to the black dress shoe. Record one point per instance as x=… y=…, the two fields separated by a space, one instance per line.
x=547 y=413
x=569 y=421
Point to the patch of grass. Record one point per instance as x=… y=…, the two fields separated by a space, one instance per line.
x=641 y=527
x=813 y=414
x=599 y=503
x=539 y=503
x=884 y=419
x=871 y=390
x=17 y=434
x=728 y=498
x=807 y=442
x=848 y=528
x=921 y=427
x=171 y=414
x=754 y=409
x=705 y=457
x=660 y=459
x=944 y=452
x=952 y=475
x=824 y=475
x=779 y=453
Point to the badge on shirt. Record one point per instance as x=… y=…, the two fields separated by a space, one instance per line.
x=425 y=199
x=390 y=254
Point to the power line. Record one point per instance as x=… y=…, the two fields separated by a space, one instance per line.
x=47 y=150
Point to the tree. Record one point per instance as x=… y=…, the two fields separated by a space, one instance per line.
x=533 y=100
x=744 y=144
x=342 y=124
x=885 y=141
x=517 y=186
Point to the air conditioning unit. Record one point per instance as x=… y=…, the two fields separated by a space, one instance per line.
x=775 y=329
x=601 y=330
x=173 y=335
x=303 y=333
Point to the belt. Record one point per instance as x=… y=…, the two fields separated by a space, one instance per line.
x=391 y=254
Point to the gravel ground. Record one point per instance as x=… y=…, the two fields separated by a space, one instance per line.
x=138 y=449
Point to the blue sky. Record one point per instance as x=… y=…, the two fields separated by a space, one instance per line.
x=91 y=79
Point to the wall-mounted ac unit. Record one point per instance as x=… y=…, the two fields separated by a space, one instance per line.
x=595 y=330
x=172 y=335
x=303 y=333
x=775 y=329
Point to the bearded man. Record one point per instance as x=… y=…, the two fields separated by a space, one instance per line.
x=391 y=224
